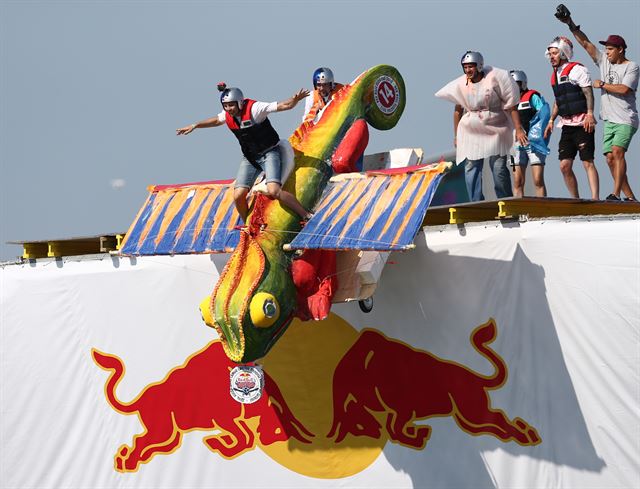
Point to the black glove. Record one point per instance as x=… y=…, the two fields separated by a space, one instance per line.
x=562 y=13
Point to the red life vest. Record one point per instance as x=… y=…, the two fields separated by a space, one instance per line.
x=565 y=72
x=255 y=139
x=569 y=97
x=525 y=110
x=526 y=96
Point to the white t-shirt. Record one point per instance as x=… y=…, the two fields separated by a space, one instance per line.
x=579 y=75
x=308 y=103
x=619 y=109
x=259 y=111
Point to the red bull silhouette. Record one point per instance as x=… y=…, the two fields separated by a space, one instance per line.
x=381 y=378
x=195 y=396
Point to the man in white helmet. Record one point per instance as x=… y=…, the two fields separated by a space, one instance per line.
x=247 y=119
x=573 y=107
x=484 y=119
x=324 y=88
x=534 y=115
x=618 y=85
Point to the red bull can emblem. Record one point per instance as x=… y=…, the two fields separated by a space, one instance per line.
x=247 y=383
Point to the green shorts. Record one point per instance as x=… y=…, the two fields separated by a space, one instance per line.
x=617 y=135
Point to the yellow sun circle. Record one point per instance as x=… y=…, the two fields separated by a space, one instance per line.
x=302 y=365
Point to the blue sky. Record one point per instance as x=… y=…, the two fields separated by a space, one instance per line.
x=91 y=92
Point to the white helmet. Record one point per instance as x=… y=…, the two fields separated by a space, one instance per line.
x=322 y=75
x=473 y=57
x=519 y=76
x=562 y=44
x=230 y=95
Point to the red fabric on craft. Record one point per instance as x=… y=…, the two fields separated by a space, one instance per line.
x=314 y=276
x=351 y=148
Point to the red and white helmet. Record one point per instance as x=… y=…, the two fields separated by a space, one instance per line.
x=562 y=44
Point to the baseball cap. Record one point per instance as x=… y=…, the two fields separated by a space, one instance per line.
x=614 y=40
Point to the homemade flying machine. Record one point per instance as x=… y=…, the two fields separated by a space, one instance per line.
x=280 y=268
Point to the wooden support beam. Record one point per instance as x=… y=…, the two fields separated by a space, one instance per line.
x=108 y=243
x=511 y=208
x=460 y=215
x=71 y=248
x=31 y=251
x=562 y=207
x=55 y=248
x=436 y=217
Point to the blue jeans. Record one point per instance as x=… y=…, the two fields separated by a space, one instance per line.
x=270 y=163
x=501 y=177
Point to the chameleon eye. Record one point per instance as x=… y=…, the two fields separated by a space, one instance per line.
x=205 y=311
x=264 y=310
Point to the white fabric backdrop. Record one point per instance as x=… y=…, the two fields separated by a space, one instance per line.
x=565 y=295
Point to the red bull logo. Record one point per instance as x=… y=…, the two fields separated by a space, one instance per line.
x=382 y=376
x=195 y=396
x=327 y=387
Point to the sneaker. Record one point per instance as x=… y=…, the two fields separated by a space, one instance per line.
x=629 y=199
x=612 y=197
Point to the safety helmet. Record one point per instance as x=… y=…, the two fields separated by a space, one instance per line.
x=519 y=76
x=230 y=95
x=322 y=75
x=473 y=57
x=562 y=44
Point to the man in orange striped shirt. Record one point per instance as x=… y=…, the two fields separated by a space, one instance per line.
x=324 y=89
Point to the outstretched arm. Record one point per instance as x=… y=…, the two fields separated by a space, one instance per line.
x=212 y=122
x=582 y=39
x=290 y=103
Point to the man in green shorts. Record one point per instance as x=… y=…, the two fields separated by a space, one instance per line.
x=618 y=85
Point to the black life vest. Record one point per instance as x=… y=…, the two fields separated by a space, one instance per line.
x=569 y=97
x=526 y=111
x=255 y=139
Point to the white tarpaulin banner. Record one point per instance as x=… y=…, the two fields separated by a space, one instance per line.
x=496 y=355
